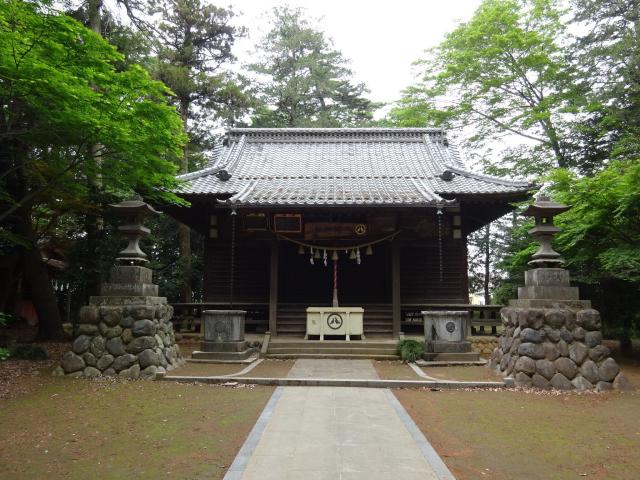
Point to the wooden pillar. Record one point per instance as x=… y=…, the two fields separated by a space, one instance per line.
x=395 y=288
x=273 y=288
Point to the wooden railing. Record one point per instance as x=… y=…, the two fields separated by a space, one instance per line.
x=187 y=316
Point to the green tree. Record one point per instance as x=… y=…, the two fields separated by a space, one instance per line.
x=303 y=81
x=62 y=93
x=133 y=45
x=193 y=47
x=608 y=55
x=601 y=239
x=502 y=73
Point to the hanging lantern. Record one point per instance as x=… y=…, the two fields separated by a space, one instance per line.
x=311 y=255
x=334 y=255
x=300 y=250
x=358 y=260
x=369 y=250
x=324 y=258
x=316 y=254
x=352 y=255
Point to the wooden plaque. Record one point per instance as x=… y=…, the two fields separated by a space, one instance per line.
x=287 y=223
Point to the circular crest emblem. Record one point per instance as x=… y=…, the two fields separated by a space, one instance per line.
x=450 y=326
x=334 y=321
x=360 y=229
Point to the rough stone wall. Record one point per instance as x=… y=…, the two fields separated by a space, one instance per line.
x=555 y=348
x=483 y=345
x=131 y=337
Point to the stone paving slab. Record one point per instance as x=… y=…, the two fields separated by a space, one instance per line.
x=336 y=433
x=333 y=369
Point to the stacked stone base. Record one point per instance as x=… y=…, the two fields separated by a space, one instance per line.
x=129 y=337
x=555 y=348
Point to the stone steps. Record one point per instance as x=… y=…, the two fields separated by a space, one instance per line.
x=275 y=343
x=346 y=356
x=357 y=349
x=331 y=351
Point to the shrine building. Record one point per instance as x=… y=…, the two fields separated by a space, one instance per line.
x=376 y=218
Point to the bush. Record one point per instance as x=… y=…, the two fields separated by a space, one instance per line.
x=27 y=352
x=410 y=350
x=4 y=353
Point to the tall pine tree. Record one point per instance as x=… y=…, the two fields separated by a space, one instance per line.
x=304 y=81
x=193 y=44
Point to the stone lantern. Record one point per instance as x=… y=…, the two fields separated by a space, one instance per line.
x=550 y=337
x=543 y=211
x=133 y=212
x=126 y=331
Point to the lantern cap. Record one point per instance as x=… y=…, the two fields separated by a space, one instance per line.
x=134 y=206
x=544 y=207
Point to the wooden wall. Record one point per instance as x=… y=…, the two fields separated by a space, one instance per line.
x=251 y=272
x=369 y=282
x=420 y=280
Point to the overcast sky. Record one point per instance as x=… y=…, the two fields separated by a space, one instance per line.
x=381 y=39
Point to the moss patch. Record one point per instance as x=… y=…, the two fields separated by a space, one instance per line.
x=78 y=429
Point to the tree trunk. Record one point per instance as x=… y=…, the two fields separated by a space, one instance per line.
x=93 y=230
x=93 y=222
x=487 y=264
x=184 y=232
x=37 y=280
x=8 y=281
x=95 y=21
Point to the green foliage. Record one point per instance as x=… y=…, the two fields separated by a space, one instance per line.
x=4 y=353
x=193 y=41
x=513 y=263
x=26 y=351
x=601 y=233
x=167 y=263
x=64 y=93
x=410 y=350
x=608 y=51
x=303 y=81
x=503 y=72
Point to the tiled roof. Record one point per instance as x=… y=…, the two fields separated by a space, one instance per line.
x=350 y=166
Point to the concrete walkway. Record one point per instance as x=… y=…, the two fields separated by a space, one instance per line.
x=334 y=369
x=336 y=433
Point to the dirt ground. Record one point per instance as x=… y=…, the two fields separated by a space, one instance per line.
x=64 y=428
x=470 y=373
x=206 y=369
x=395 y=370
x=532 y=435
x=61 y=428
